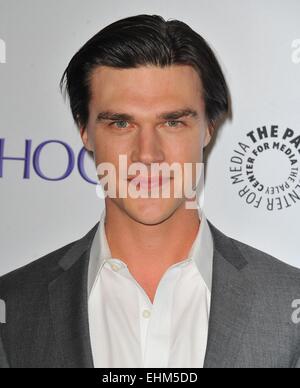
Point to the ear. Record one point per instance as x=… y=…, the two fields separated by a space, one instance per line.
x=85 y=139
x=208 y=135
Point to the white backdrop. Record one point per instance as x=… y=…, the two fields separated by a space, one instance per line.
x=258 y=44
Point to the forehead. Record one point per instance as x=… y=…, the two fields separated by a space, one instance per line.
x=145 y=87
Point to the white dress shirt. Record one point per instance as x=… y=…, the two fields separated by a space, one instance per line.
x=128 y=331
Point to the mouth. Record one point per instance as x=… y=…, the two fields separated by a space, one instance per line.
x=150 y=183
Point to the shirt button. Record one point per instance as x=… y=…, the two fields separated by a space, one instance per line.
x=115 y=267
x=146 y=314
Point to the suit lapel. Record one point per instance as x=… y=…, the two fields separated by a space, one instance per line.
x=69 y=306
x=231 y=302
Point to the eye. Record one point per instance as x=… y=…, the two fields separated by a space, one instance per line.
x=120 y=124
x=174 y=123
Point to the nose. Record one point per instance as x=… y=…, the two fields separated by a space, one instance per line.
x=148 y=147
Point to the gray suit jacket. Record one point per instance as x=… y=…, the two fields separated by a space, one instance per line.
x=250 y=325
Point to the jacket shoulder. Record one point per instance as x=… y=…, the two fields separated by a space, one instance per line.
x=34 y=274
x=253 y=256
x=38 y=274
x=260 y=267
x=265 y=262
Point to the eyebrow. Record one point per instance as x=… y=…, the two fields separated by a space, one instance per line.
x=108 y=115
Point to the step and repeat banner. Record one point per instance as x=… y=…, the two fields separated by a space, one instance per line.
x=48 y=182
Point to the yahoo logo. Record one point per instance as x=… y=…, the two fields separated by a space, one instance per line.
x=33 y=156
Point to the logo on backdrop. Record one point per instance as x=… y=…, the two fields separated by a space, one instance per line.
x=264 y=168
x=30 y=159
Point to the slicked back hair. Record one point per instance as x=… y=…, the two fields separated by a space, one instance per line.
x=140 y=41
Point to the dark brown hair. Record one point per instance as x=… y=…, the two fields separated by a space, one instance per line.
x=145 y=40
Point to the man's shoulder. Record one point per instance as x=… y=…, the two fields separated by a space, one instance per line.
x=275 y=281
x=46 y=268
x=259 y=266
x=34 y=274
x=265 y=263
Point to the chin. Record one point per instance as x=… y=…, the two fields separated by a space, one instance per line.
x=151 y=211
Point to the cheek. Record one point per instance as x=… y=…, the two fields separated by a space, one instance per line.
x=105 y=148
x=186 y=151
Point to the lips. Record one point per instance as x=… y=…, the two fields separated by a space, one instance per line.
x=148 y=183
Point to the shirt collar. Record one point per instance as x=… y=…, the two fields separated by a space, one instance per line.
x=201 y=252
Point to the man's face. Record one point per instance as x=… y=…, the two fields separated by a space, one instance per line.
x=146 y=135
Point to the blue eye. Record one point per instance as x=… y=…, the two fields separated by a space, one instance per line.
x=120 y=122
x=175 y=122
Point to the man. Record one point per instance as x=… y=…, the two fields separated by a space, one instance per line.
x=154 y=283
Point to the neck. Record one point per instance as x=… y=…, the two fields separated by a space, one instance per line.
x=151 y=246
